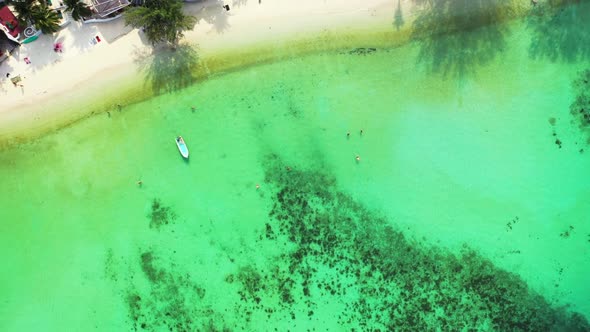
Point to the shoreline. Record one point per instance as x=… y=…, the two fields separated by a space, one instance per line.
x=247 y=35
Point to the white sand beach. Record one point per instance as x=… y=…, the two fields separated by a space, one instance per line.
x=52 y=81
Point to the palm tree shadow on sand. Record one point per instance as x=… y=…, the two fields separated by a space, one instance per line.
x=560 y=31
x=168 y=69
x=458 y=36
x=212 y=12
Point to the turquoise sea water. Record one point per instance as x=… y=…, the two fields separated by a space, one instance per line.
x=467 y=210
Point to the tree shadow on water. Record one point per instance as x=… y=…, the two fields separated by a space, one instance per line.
x=560 y=31
x=167 y=69
x=398 y=17
x=457 y=36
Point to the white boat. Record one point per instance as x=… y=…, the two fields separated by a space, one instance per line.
x=182 y=146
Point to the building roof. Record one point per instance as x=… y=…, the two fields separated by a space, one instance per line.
x=105 y=7
x=8 y=20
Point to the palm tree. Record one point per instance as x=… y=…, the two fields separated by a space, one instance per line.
x=78 y=9
x=24 y=11
x=37 y=13
x=45 y=19
x=161 y=20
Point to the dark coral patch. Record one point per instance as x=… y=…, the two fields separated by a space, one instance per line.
x=160 y=215
x=173 y=302
x=580 y=107
x=332 y=251
x=399 y=284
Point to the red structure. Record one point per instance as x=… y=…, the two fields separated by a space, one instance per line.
x=8 y=20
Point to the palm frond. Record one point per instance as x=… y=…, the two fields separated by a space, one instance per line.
x=45 y=19
x=78 y=9
x=161 y=20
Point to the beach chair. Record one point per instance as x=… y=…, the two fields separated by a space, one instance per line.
x=15 y=79
x=95 y=40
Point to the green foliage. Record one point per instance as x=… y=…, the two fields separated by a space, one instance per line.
x=162 y=20
x=37 y=13
x=78 y=9
x=24 y=10
x=45 y=19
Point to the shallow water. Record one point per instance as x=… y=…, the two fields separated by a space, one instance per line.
x=461 y=210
